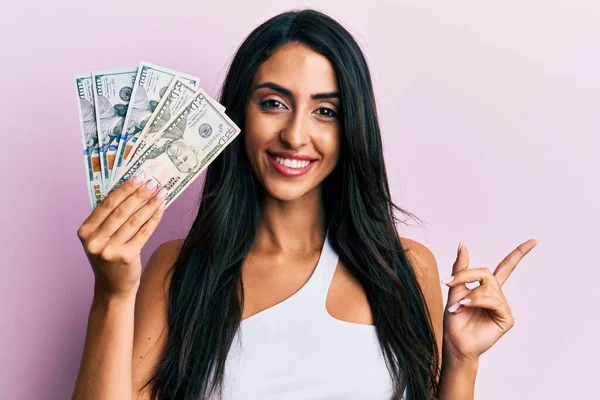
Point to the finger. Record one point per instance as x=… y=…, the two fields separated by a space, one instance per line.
x=141 y=237
x=482 y=275
x=461 y=264
x=510 y=262
x=502 y=313
x=133 y=224
x=126 y=209
x=486 y=290
x=95 y=219
x=475 y=300
x=453 y=306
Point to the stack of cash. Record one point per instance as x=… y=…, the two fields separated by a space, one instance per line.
x=148 y=120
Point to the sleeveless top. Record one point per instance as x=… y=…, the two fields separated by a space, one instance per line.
x=296 y=350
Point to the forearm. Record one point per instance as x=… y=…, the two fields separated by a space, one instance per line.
x=457 y=379
x=105 y=371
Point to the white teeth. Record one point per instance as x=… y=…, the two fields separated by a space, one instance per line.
x=291 y=163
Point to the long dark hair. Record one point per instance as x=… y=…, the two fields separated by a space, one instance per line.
x=205 y=306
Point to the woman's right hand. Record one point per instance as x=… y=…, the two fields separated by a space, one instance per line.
x=115 y=232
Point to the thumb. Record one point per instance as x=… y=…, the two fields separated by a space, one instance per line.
x=461 y=264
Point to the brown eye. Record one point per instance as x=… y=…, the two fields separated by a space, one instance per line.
x=271 y=104
x=327 y=112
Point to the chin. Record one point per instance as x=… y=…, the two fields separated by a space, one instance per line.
x=287 y=191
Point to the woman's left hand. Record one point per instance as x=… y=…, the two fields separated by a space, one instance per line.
x=477 y=318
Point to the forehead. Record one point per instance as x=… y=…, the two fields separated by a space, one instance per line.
x=299 y=68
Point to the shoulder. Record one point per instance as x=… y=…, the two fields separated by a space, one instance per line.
x=422 y=259
x=160 y=263
x=156 y=276
x=166 y=253
x=426 y=269
x=424 y=264
x=159 y=266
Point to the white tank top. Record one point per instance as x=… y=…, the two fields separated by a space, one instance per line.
x=295 y=350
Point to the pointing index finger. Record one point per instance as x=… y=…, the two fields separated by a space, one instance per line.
x=510 y=262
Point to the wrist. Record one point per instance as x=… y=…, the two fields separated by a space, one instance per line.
x=101 y=295
x=457 y=379
x=454 y=359
x=460 y=364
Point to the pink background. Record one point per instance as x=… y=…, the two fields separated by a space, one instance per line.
x=490 y=116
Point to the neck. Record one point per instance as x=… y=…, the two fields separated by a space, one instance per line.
x=295 y=225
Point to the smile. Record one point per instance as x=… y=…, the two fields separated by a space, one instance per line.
x=290 y=167
x=291 y=163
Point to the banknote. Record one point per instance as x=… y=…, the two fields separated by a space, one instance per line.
x=112 y=93
x=187 y=144
x=89 y=134
x=177 y=95
x=150 y=86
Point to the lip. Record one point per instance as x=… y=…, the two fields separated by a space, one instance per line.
x=291 y=156
x=287 y=171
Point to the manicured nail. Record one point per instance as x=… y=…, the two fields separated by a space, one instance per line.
x=536 y=243
x=151 y=185
x=162 y=193
x=448 y=280
x=138 y=179
x=459 y=247
x=465 y=301
x=454 y=307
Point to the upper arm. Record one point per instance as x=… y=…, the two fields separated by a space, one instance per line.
x=426 y=270
x=151 y=316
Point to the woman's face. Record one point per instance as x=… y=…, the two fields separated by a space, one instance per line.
x=292 y=131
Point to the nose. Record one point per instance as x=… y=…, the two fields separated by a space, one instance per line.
x=295 y=134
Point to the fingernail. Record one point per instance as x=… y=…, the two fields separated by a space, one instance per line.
x=536 y=243
x=162 y=193
x=465 y=301
x=151 y=185
x=454 y=307
x=138 y=179
x=459 y=247
x=448 y=280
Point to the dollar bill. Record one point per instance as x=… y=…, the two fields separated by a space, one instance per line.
x=177 y=95
x=187 y=144
x=150 y=86
x=112 y=93
x=89 y=134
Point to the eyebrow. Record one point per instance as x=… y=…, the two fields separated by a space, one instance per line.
x=287 y=92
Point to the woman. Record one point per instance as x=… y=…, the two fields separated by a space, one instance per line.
x=292 y=282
